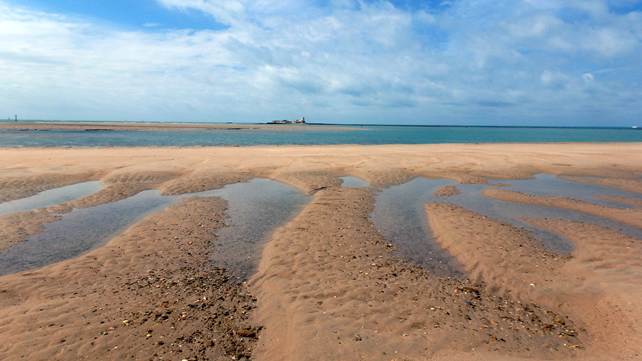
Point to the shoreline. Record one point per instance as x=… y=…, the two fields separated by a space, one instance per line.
x=328 y=285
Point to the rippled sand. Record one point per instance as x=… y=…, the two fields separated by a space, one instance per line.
x=328 y=286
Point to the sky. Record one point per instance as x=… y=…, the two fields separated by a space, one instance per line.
x=458 y=62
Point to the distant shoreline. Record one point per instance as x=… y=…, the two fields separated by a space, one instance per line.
x=96 y=126
x=125 y=125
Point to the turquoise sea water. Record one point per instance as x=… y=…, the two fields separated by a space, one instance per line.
x=310 y=135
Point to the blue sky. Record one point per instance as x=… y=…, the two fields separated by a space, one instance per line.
x=468 y=62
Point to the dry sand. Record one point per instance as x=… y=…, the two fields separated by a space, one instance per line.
x=328 y=286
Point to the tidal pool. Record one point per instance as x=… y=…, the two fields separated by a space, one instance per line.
x=403 y=221
x=353 y=182
x=51 y=197
x=548 y=185
x=256 y=209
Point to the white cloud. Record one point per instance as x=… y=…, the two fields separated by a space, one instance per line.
x=588 y=78
x=475 y=61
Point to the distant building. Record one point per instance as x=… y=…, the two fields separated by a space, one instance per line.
x=298 y=121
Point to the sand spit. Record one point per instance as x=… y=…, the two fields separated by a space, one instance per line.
x=579 y=306
x=148 y=294
x=632 y=217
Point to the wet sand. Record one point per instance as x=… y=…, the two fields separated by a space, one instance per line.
x=328 y=285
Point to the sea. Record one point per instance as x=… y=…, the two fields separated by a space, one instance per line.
x=314 y=135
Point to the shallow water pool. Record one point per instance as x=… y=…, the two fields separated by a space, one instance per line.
x=256 y=209
x=548 y=185
x=402 y=219
x=51 y=197
x=353 y=182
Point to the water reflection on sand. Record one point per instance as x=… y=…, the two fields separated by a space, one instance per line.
x=256 y=208
x=400 y=215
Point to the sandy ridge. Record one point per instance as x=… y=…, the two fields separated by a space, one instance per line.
x=508 y=259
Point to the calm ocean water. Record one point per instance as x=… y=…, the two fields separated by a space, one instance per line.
x=309 y=135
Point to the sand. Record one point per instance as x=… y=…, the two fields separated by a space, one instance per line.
x=447 y=191
x=328 y=286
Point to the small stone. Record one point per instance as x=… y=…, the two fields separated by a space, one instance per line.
x=559 y=319
x=246 y=333
x=357 y=337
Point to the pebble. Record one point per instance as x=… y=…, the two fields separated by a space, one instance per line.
x=246 y=333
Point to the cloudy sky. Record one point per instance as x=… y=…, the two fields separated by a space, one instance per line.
x=464 y=62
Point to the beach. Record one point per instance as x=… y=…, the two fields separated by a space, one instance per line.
x=328 y=285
